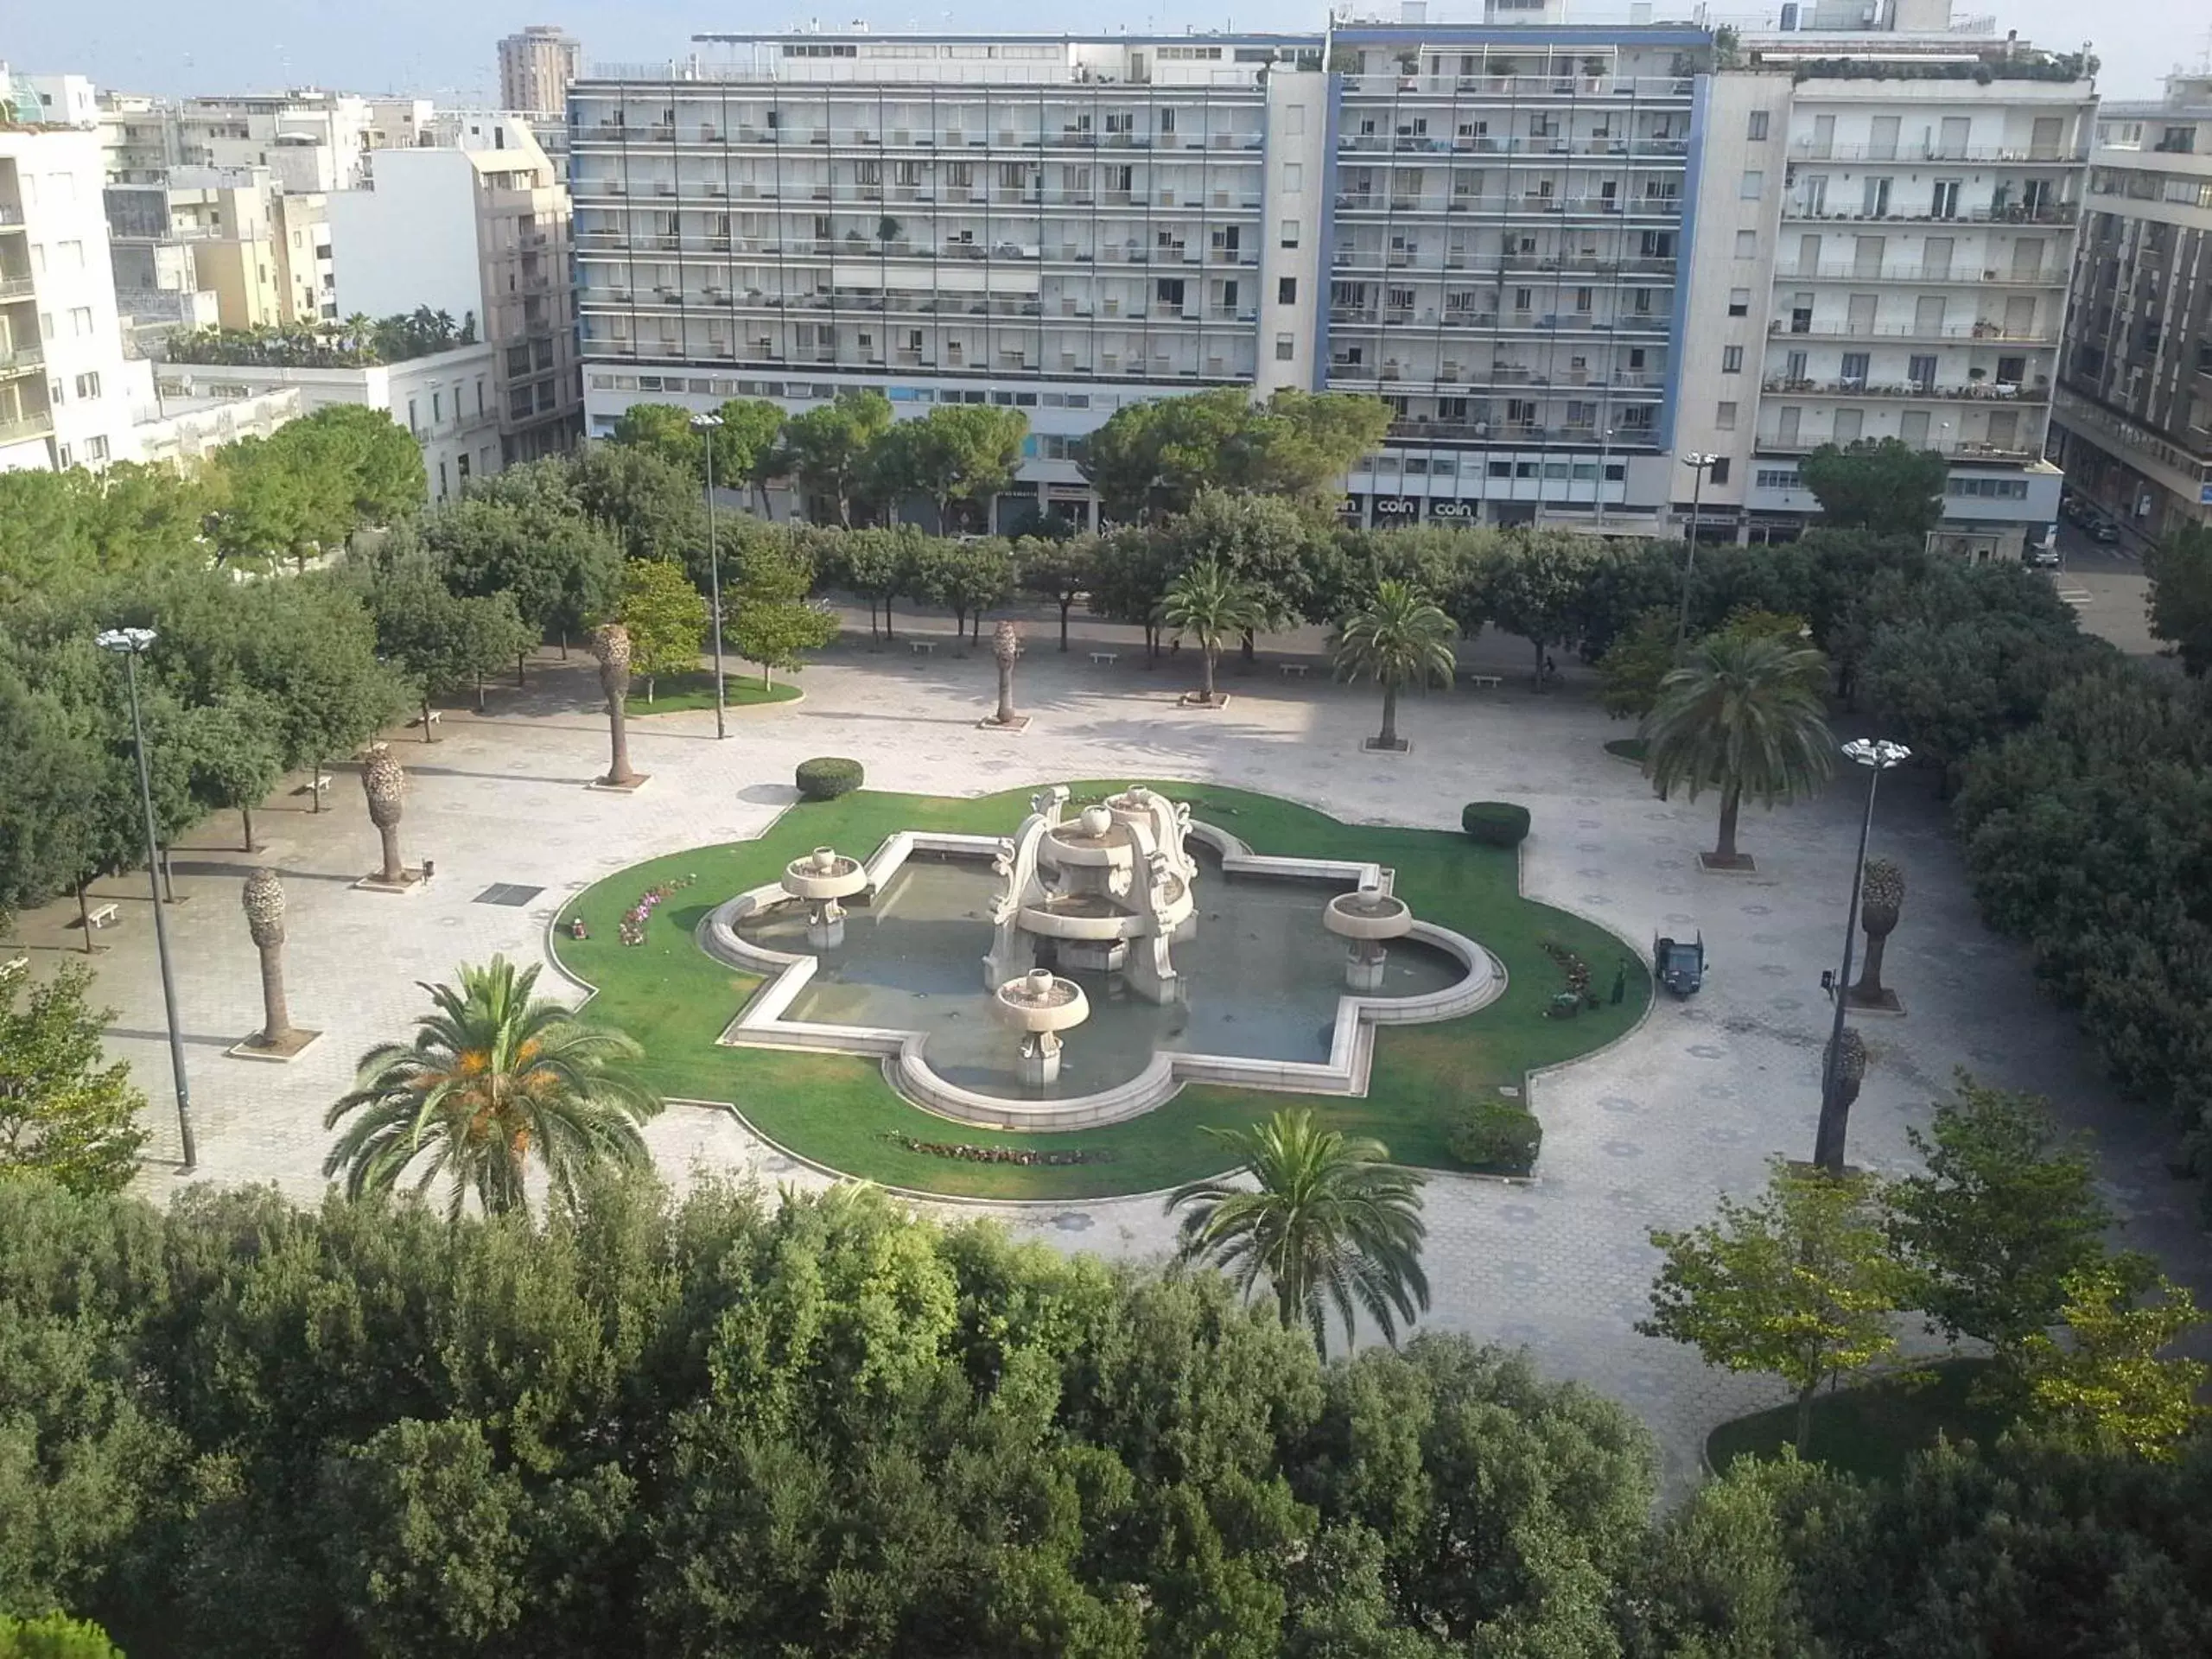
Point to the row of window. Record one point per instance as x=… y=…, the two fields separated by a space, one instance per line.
x=1996 y=489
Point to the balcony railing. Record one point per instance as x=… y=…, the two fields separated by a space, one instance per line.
x=1846 y=270
x=1994 y=332
x=1805 y=443
x=1920 y=155
x=29 y=427
x=11 y=214
x=1518 y=88
x=21 y=360
x=1972 y=392
x=15 y=288
x=2048 y=213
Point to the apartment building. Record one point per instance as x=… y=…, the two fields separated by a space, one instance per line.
x=68 y=395
x=2134 y=413
x=310 y=139
x=477 y=224
x=535 y=69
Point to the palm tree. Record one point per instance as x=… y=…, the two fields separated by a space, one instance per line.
x=1332 y=1225
x=492 y=1079
x=1208 y=603
x=1742 y=715
x=1398 y=638
x=610 y=643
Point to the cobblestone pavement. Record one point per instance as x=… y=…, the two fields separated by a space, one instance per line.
x=1643 y=1135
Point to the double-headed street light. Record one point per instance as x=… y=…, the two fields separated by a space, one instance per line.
x=1878 y=756
x=706 y=426
x=1701 y=464
x=131 y=643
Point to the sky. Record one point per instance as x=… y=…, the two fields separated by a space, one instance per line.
x=440 y=49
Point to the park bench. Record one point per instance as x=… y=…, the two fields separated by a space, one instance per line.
x=101 y=915
x=922 y=647
x=1104 y=658
x=1293 y=670
x=1485 y=682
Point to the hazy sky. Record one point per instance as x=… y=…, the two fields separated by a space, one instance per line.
x=444 y=49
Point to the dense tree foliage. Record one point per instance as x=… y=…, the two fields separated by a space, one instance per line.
x=2179 y=565
x=1885 y=485
x=62 y=1112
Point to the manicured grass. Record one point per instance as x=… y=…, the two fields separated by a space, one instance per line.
x=838 y=1110
x=1628 y=748
x=1872 y=1430
x=674 y=694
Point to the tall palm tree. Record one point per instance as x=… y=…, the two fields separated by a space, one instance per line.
x=1209 y=603
x=1332 y=1225
x=1398 y=638
x=493 y=1078
x=1742 y=715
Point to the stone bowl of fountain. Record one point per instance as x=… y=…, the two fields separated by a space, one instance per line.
x=1367 y=919
x=1088 y=840
x=819 y=881
x=1040 y=1005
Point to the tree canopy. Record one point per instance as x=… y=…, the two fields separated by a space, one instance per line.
x=1882 y=485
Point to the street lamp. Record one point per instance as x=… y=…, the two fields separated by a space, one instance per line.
x=1605 y=466
x=131 y=643
x=1700 y=465
x=1878 y=756
x=706 y=426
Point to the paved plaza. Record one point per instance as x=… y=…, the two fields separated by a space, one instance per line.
x=1692 y=1103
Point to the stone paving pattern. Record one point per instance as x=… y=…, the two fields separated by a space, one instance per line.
x=1690 y=1104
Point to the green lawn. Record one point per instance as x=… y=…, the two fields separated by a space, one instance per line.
x=838 y=1110
x=675 y=693
x=1872 y=1429
x=1627 y=748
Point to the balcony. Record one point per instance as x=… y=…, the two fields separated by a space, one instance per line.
x=1922 y=155
x=24 y=429
x=21 y=360
x=2043 y=276
x=10 y=215
x=1967 y=333
x=1854 y=390
x=2048 y=213
x=1805 y=443
x=15 y=288
x=1515 y=88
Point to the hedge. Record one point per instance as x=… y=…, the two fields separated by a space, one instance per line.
x=826 y=777
x=1496 y=1137
x=1495 y=824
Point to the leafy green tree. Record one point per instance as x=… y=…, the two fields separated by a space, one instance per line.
x=314 y=657
x=1056 y=569
x=373 y=463
x=524 y=532
x=1157 y=458
x=266 y=507
x=61 y=1112
x=967 y=577
x=957 y=455
x=236 y=762
x=494 y=1079
x=1640 y=657
x=2006 y=1211
x=1332 y=1225
x=654 y=505
x=2179 y=565
x=1741 y=716
x=2109 y=1381
x=1882 y=485
x=745 y=444
x=54 y=1637
x=1300 y=445
x=442 y=643
x=1534 y=587
x=877 y=565
x=1399 y=638
x=1799 y=1283
x=664 y=429
x=1129 y=581
x=1266 y=544
x=830 y=450
x=1719 y=1578
x=666 y=618
x=1211 y=604
x=773 y=622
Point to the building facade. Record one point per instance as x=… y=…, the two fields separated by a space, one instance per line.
x=2134 y=413
x=535 y=69
x=477 y=226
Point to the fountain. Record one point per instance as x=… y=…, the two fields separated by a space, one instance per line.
x=821 y=879
x=1040 y=1005
x=1367 y=916
x=1109 y=888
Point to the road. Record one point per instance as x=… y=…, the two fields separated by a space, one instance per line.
x=2107 y=585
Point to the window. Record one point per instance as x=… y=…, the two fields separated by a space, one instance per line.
x=80 y=320
x=1290 y=233
x=1731 y=359
x=1758 y=128
x=1753 y=185
x=66 y=459
x=1286 y=348
x=88 y=385
x=1719 y=473
x=1854 y=366
x=1724 y=417
x=1293 y=179
x=1747 y=244
x=96 y=449
x=437 y=407
x=1285 y=290
x=1740 y=301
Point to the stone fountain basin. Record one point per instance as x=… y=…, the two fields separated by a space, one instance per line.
x=1063 y=848
x=802 y=881
x=1069 y=1007
x=1367 y=915
x=1082 y=916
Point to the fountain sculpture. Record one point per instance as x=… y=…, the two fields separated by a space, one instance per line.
x=821 y=879
x=1367 y=917
x=1111 y=888
x=1040 y=1005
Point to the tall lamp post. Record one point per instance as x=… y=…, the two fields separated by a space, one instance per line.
x=1878 y=756
x=131 y=643
x=1700 y=465
x=706 y=426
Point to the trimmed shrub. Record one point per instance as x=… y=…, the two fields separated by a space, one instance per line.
x=1496 y=1137
x=827 y=777
x=54 y=1637
x=1495 y=824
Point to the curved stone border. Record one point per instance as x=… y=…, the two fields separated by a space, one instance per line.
x=761 y=1024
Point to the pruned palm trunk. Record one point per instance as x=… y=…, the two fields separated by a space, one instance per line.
x=1005 y=715
x=1388 y=740
x=1870 y=987
x=393 y=869
x=618 y=732
x=1731 y=801
x=276 y=1007
x=1206 y=657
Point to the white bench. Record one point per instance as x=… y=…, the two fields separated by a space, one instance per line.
x=1485 y=682
x=922 y=647
x=322 y=782
x=101 y=915
x=1104 y=658
x=1293 y=670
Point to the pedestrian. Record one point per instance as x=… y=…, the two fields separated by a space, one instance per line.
x=1620 y=981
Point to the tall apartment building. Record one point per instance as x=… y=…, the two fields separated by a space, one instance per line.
x=2134 y=413
x=535 y=69
x=68 y=395
x=1565 y=254
x=1886 y=227
x=477 y=224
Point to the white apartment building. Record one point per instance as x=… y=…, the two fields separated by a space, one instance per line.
x=1884 y=254
x=68 y=394
x=448 y=400
x=477 y=226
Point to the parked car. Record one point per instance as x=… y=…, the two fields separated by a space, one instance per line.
x=2043 y=558
x=2104 y=532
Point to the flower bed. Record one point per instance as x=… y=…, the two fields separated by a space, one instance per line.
x=632 y=925
x=974 y=1154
